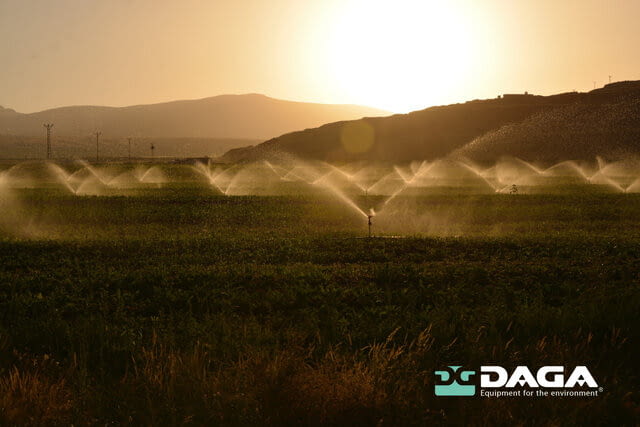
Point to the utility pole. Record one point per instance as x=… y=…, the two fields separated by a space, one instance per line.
x=129 y=139
x=153 y=147
x=98 y=146
x=609 y=79
x=48 y=126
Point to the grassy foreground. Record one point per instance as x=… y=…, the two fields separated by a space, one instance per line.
x=181 y=307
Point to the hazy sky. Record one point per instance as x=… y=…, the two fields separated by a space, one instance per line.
x=398 y=55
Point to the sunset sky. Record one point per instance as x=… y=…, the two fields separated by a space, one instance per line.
x=399 y=55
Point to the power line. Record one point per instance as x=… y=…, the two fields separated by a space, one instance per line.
x=48 y=126
x=98 y=145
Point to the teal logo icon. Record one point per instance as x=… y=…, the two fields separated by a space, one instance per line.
x=453 y=381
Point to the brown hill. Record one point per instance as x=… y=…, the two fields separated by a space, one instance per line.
x=227 y=116
x=576 y=131
x=606 y=120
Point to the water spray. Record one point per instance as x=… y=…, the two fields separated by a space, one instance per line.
x=367 y=199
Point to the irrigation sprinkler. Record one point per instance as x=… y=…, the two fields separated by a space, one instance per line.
x=369 y=223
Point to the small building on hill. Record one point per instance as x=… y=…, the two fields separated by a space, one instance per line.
x=516 y=96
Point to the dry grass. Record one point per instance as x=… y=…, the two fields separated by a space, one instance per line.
x=32 y=398
x=284 y=387
x=387 y=383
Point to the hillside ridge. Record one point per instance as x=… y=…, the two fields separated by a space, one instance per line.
x=458 y=129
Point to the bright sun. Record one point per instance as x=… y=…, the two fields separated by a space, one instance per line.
x=400 y=55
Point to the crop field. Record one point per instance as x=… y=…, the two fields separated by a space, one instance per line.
x=170 y=302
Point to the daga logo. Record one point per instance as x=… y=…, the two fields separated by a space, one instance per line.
x=496 y=381
x=455 y=382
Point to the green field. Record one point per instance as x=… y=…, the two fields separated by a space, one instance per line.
x=176 y=305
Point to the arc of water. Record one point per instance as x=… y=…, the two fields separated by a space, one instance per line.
x=368 y=176
x=394 y=195
x=118 y=180
x=387 y=177
x=422 y=170
x=7 y=172
x=405 y=177
x=346 y=199
x=634 y=187
x=485 y=180
x=293 y=176
x=607 y=181
x=273 y=168
x=212 y=176
x=144 y=176
x=203 y=170
x=62 y=176
x=349 y=177
x=234 y=171
x=571 y=164
x=322 y=178
x=94 y=172
x=529 y=165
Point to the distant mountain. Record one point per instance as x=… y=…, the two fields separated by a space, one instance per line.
x=603 y=122
x=252 y=116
